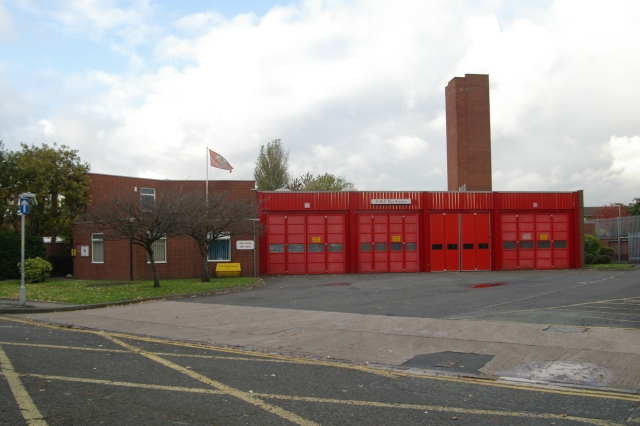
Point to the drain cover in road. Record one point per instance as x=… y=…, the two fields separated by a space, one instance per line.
x=457 y=362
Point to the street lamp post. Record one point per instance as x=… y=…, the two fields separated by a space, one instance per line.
x=619 y=217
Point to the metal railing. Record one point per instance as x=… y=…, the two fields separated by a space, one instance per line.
x=634 y=248
x=617 y=226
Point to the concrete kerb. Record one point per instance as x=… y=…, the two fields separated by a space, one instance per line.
x=68 y=308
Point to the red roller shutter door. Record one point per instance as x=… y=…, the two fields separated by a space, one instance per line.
x=388 y=242
x=560 y=241
x=296 y=256
x=509 y=234
x=336 y=250
x=451 y=242
x=365 y=243
x=436 y=223
x=380 y=243
x=410 y=243
x=526 y=243
x=316 y=244
x=475 y=242
x=544 y=255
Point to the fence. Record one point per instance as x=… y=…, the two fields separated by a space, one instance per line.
x=611 y=228
x=634 y=248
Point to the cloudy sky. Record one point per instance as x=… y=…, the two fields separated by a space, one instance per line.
x=354 y=88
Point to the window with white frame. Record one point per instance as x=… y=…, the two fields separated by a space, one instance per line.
x=147 y=198
x=220 y=250
x=97 y=248
x=159 y=249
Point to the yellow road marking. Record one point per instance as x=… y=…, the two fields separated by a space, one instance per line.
x=440 y=408
x=28 y=409
x=77 y=348
x=245 y=396
x=361 y=368
x=124 y=384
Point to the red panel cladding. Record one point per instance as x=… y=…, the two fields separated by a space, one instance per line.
x=539 y=201
x=436 y=224
x=381 y=243
x=362 y=201
x=296 y=260
x=411 y=243
x=276 y=256
x=468 y=240
x=365 y=243
x=452 y=242
x=483 y=242
x=560 y=240
x=508 y=232
x=336 y=248
x=316 y=244
x=460 y=200
x=297 y=201
x=544 y=255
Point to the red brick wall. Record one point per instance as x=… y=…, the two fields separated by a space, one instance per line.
x=183 y=257
x=468 y=133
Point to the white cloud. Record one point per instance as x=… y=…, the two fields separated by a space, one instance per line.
x=352 y=88
x=7 y=26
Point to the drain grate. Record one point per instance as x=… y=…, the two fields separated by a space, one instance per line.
x=335 y=285
x=487 y=285
x=565 y=329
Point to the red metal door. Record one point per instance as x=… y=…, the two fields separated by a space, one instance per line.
x=436 y=224
x=526 y=244
x=509 y=234
x=316 y=240
x=544 y=255
x=410 y=239
x=560 y=238
x=451 y=242
x=475 y=242
x=365 y=243
x=296 y=256
x=396 y=238
x=380 y=243
x=276 y=256
x=336 y=257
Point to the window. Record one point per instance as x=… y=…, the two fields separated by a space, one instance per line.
x=452 y=247
x=509 y=245
x=315 y=248
x=97 y=248
x=396 y=246
x=380 y=246
x=467 y=246
x=436 y=246
x=560 y=244
x=159 y=249
x=335 y=247
x=526 y=244
x=147 y=198
x=276 y=248
x=296 y=248
x=365 y=247
x=544 y=244
x=483 y=246
x=410 y=246
x=220 y=250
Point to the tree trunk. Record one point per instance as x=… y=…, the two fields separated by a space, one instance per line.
x=205 y=266
x=156 y=280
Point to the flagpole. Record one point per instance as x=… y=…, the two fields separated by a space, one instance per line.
x=207 y=187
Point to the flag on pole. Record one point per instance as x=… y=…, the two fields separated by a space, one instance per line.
x=217 y=160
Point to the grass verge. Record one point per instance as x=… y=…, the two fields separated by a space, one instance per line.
x=86 y=292
x=611 y=266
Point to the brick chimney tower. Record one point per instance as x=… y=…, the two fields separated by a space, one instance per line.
x=468 y=133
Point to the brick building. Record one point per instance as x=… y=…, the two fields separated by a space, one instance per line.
x=98 y=257
x=468 y=133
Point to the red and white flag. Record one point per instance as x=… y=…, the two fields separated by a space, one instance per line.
x=217 y=160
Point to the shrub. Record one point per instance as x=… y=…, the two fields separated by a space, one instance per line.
x=602 y=259
x=36 y=270
x=591 y=245
x=589 y=258
x=607 y=251
x=10 y=252
x=62 y=264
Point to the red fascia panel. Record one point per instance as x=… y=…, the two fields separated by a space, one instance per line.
x=460 y=200
x=298 y=201
x=362 y=200
x=536 y=201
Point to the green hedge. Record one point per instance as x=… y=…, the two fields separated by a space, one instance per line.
x=591 y=247
x=10 y=252
x=36 y=270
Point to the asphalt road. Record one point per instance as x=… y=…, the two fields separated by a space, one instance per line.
x=573 y=297
x=53 y=375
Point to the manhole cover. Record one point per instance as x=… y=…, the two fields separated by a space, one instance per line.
x=458 y=362
x=486 y=285
x=565 y=329
x=335 y=285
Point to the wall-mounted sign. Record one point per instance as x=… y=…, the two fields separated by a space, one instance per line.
x=379 y=201
x=526 y=237
x=396 y=238
x=244 y=245
x=316 y=239
x=535 y=205
x=544 y=236
x=84 y=251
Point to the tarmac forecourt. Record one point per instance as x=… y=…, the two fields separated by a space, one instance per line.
x=58 y=374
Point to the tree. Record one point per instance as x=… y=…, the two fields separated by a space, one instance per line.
x=272 y=167
x=634 y=207
x=59 y=179
x=325 y=182
x=218 y=216
x=6 y=166
x=126 y=215
x=610 y=211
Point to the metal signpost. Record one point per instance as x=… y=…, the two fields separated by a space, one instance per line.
x=23 y=206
